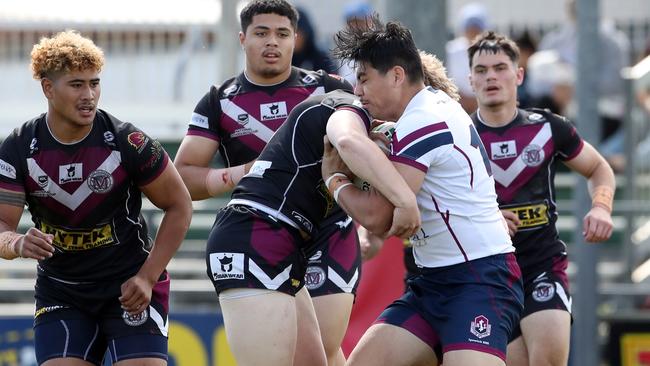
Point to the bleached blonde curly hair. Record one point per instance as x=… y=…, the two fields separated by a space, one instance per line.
x=65 y=52
x=435 y=75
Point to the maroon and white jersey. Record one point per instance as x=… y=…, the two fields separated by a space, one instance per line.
x=242 y=116
x=85 y=194
x=523 y=155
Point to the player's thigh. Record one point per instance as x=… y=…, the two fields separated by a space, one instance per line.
x=547 y=335
x=67 y=362
x=516 y=354
x=387 y=344
x=333 y=313
x=261 y=325
x=142 y=362
x=471 y=357
x=309 y=347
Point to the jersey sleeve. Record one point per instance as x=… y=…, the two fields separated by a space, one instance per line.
x=334 y=82
x=11 y=175
x=420 y=144
x=567 y=141
x=144 y=158
x=205 y=117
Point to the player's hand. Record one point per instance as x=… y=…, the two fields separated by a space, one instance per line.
x=332 y=162
x=136 y=294
x=35 y=244
x=382 y=132
x=597 y=225
x=370 y=243
x=512 y=220
x=406 y=221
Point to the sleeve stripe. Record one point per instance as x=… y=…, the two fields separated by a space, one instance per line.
x=424 y=146
x=12 y=198
x=406 y=161
x=399 y=144
x=202 y=133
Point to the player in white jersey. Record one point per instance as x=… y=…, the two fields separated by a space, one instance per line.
x=468 y=296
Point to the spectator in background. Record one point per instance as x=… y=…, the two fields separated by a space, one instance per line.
x=527 y=46
x=472 y=20
x=614 y=56
x=355 y=14
x=306 y=53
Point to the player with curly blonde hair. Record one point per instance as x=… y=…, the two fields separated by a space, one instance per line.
x=101 y=282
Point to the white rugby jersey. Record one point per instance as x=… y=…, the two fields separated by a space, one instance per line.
x=461 y=220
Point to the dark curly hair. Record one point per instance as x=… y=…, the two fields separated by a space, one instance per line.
x=493 y=42
x=279 y=7
x=381 y=46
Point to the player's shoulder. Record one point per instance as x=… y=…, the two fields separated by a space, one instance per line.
x=541 y=115
x=320 y=78
x=229 y=88
x=27 y=130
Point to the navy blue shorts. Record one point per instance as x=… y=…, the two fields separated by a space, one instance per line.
x=247 y=249
x=84 y=320
x=545 y=288
x=467 y=306
x=334 y=264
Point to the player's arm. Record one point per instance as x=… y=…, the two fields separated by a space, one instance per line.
x=347 y=133
x=168 y=193
x=597 y=224
x=33 y=244
x=193 y=164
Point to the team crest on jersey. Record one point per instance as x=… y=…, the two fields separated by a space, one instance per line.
x=314 y=277
x=138 y=140
x=243 y=119
x=227 y=266
x=100 y=181
x=532 y=155
x=7 y=169
x=70 y=173
x=481 y=327
x=42 y=181
x=543 y=292
x=503 y=149
x=309 y=79
x=135 y=320
x=271 y=111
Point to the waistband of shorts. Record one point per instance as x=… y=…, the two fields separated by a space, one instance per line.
x=268 y=212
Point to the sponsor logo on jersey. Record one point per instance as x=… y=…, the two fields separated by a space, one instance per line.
x=48 y=309
x=271 y=111
x=70 y=173
x=227 y=266
x=138 y=140
x=481 y=327
x=503 y=150
x=309 y=79
x=78 y=240
x=109 y=138
x=135 y=320
x=531 y=215
x=231 y=89
x=242 y=119
x=532 y=155
x=100 y=181
x=302 y=220
x=32 y=146
x=543 y=291
x=314 y=277
x=199 y=121
x=535 y=117
x=258 y=169
x=242 y=132
x=7 y=169
x=316 y=256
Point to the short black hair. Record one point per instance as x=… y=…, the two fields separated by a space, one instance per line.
x=381 y=46
x=279 y=7
x=493 y=42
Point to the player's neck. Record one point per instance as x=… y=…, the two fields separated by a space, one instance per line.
x=496 y=116
x=66 y=132
x=266 y=81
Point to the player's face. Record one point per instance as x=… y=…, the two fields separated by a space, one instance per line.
x=73 y=98
x=494 y=79
x=268 y=43
x=374 y=90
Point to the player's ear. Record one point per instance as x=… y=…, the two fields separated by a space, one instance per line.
x=47 y=85
x=242 y=38
x=399 y=75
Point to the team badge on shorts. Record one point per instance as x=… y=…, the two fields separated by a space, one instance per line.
x=135 y=319
x=543 y=291
x=314 y=277
x=481 y=327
